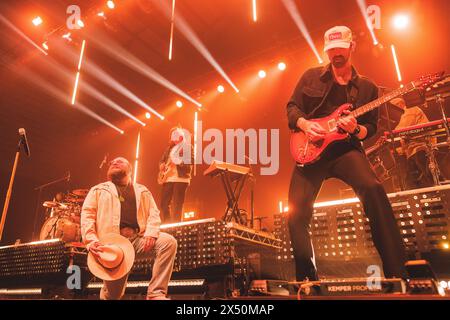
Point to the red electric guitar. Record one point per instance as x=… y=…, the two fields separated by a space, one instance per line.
x=305 y=151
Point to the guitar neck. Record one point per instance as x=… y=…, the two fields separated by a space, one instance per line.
x=381 y=100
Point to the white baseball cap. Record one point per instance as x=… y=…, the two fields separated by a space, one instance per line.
x=337 y=37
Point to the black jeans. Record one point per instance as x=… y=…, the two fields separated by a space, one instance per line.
x=172 y=197
x=351 y=166
x=418 y=174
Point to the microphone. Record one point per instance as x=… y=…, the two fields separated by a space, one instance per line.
x=24 y=141
x=68 y=176
x=103 y=161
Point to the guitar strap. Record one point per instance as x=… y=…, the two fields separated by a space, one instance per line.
x=352 y=96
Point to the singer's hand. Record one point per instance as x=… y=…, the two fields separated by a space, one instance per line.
x=149 y=243
x=96 y=249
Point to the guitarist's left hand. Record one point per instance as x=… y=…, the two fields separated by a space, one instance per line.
x=348 y=122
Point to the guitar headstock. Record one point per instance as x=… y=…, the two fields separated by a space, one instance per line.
x=425 y=81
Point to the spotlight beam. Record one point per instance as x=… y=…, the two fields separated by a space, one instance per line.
x=192 y=37
x=139 y=66
x=60 y=95
x=20 y=33
x=64 y=72
x=293 y=11
x=101 y=75
x=363 y=7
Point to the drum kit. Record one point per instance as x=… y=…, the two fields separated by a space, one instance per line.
x=63 y=216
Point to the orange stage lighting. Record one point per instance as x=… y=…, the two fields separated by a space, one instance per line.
x=80 y=23
x=400 y=21
x=148 y=115
x=45 y=45
x=37 y=21
x=67 y=36
x=220 y=88
x=397 y=67
x=172 y=23
x=179 y=104
x=282 y=66
x=136 y=162
x=262 y=74
x=111 y=5
x=75 y=88
x=255 y=16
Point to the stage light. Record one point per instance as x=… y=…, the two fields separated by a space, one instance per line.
x=101 y=14
x=445 y=245
x=193 y=38
x=80 y=23
x=282 y=66
x=148 y=115
x=293 y=11
x=262 y=74
x=179 y=104
x=255 y=16
x=110 y=4
x=172 y=25
x=220 y=88
x=45 y=45
x=363 y=7
x=397 y=67
x=37 y=21
x=67 y=36
x=136 y=161
x=23 y=35
x=400 y=21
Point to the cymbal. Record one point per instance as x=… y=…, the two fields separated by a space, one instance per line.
x=80 y=192
x=50 y=204
x=75 y=200
x=54 y=204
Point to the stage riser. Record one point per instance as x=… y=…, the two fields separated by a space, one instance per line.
x=342 y=240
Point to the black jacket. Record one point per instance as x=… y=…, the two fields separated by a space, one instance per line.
x=313 y=88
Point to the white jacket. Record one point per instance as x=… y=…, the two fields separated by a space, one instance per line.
x=101 y=212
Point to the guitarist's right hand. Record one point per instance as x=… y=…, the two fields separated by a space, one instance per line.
x=312 y=129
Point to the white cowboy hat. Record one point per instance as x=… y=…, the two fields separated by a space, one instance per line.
x=115 y=261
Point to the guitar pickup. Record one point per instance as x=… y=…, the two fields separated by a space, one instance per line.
x=332 y=125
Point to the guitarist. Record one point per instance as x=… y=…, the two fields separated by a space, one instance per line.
x=174 y=178
x=319 y=92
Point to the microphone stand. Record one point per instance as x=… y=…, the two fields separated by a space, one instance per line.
x=40 y=188
x=9 y=191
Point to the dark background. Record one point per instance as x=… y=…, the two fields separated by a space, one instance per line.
x=64 y=139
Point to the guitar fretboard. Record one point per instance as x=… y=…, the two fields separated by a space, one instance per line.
x=383 y=99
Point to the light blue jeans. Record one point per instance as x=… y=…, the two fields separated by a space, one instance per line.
x=164 y=253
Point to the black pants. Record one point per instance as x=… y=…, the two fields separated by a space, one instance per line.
x=351 y=166
x=172 y=197
x=419 y=175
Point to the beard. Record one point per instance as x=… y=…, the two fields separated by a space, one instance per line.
x=339 y=61
x=116 y=175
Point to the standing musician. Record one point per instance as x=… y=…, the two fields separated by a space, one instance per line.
x=319 y=92
x=175 y=177
x=121 y=207
x=414 y=151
